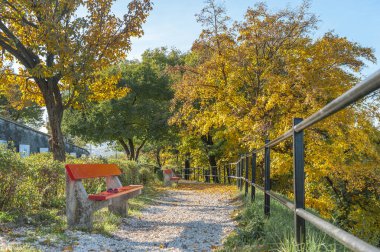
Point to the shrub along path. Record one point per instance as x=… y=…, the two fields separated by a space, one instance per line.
x=191 y=217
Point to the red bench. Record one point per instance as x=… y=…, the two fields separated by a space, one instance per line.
x=169 y=177
x=80 y=206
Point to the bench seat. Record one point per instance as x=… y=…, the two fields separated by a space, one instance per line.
x=108 y=195
x=175 y=178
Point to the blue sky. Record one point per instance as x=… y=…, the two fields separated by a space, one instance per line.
x=172 y=22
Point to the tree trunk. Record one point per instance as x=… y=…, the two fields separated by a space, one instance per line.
x=207 y=140
x=125 y=147
x=214 y=168
x=158 y=158
x=139 y=149
x=56 y=141
x=131 y=149
x=54 y=107
x=187 y=167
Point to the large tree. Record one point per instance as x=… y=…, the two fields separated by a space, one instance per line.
x=277 y=70
x=61 y=49
x=137 y=118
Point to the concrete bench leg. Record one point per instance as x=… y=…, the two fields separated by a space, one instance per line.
x=167 y=181
x=119 y=207
x=85 y=208
x=85 y=218
x=79 y=209
x=71 y=202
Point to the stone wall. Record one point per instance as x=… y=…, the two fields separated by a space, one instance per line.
x=20 y=134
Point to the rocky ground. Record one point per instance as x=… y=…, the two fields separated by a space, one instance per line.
x=188 y=218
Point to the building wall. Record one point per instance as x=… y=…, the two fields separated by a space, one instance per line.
x=22 y=134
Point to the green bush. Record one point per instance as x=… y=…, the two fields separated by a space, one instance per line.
x=145 y=175
x=10 y=168
x=47 y=178
x=130 y=170
x=16 y=187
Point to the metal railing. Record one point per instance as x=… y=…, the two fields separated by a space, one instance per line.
x=367 y=86
x=201 y=174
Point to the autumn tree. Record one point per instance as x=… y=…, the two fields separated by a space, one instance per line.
x=138 y=118
x=206 y=70
x=62 y=48
x=277 y=70
x=285 y=73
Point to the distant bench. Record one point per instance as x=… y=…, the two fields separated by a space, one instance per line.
x=80 y=206
x=169 y=177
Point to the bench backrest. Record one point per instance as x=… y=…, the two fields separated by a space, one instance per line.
x=168 y=171
x=83 y=171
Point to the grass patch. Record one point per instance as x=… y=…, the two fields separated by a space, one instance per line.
x=105 y=222
x=258 y=233
x=6 y=217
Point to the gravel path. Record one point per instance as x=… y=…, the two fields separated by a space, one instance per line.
x=188 y=218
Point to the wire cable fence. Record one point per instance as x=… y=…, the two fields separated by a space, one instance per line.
x=240 y=171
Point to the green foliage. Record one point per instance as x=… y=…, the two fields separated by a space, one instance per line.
x=251 y=224
x=47 y=178
x=139 y=117
x=11 y=174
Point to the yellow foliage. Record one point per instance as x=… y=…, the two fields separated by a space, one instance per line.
x=251 y=86
x=55 y=47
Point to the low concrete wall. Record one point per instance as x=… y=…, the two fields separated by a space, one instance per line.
x=24 y=135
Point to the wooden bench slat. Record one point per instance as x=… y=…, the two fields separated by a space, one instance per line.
x=122 y=190
x=83 y=171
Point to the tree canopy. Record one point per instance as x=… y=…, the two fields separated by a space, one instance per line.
x=62 y=55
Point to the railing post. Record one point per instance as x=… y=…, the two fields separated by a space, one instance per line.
x=229 y=173
x=218 y=174
x=224 y=174
x=246 y=175
x=237 y=174
x=238 y=168
x=253 y=179
x=267 y=180
x=240 y=173
x=299 y=185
